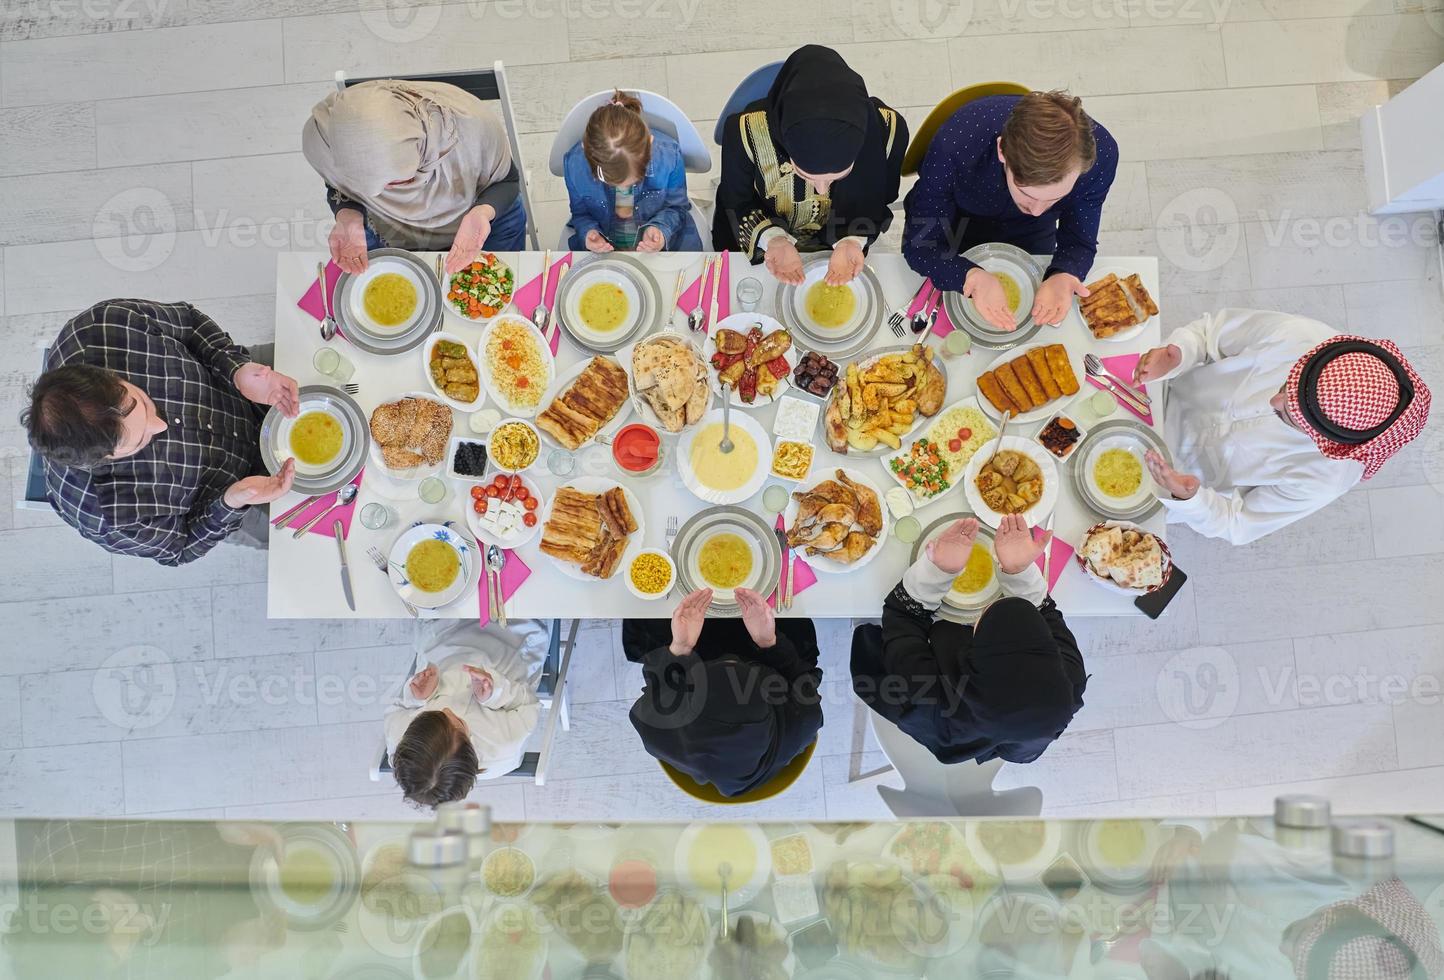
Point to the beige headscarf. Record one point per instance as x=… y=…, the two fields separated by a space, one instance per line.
x=442 y=144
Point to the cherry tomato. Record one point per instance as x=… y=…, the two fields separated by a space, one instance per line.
x=492 y=492
x=965 y=433
x=955 y=444
x=530 y=504
x=500 y=481
x=514 y=486
x=479 y=505
x=477 y=491
x=529 y=520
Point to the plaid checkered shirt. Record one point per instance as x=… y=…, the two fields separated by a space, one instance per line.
x=165 y=502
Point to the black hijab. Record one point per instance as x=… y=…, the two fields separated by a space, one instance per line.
x=709 y=719
x=1017 y=690
x=818 y=110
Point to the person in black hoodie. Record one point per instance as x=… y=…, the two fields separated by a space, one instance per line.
x=727 y=701
x=813 y=166
x=1003 y=687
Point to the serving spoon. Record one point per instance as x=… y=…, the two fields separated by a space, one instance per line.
x=726 y=444
x=697 y=319
x=1002 y=427
x=347 y=494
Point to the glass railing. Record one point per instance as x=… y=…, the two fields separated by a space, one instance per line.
x=461 y=897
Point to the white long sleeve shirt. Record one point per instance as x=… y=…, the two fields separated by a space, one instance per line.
x=500 y=727
x=927 y=583
x=1258 y=472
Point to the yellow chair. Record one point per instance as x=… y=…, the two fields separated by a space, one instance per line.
x=775 y=786
x=923 y=138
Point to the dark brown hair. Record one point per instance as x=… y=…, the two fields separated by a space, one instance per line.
x=75 y=414
x=617 y=142
x=434 y=763
x=1046 y=136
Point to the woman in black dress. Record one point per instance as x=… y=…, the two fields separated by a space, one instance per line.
x=813 y=166
x=727 y=701
x=1002 y=687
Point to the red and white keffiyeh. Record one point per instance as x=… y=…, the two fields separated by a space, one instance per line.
x=1358 y=391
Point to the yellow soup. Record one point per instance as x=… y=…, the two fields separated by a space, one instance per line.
x=1011 y=291
x=715 y=845
x=977 y=573
x=723 y=471
x=1118 y=473
x=725 y=561
x=1120 y=842
x=830 y=306
x=307 y=876
x=315 y=438
x=433 y=565
x=603 y=307
x=390 y=299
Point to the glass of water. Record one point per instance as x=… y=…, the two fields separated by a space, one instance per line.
x=333 y=364
x=432 y=490
x=561 y=463
x=956 y=344
x=907 y=529
x=375 y=516
x=749 y=294
x=774 y=499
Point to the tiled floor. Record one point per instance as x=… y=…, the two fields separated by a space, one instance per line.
x=151 y=149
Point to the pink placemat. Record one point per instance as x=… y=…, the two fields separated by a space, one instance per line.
x=311 y=301
x=1123 y=365
x=1061 y=551
x=700 y=293
x=944 y=326
x=513 y=574
x=805 y=577
x=324 y=526
x=527 y=297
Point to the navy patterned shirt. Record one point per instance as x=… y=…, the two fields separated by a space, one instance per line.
x=165 y=502
x=962 y=177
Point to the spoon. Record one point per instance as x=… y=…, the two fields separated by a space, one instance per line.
x=540 y=315
x=328 y=322
x=1002 y=427
x=495 y=560
x=726 y=444
x=347 y=494
x=696 y=319
x=723 y=871
x=920 y=318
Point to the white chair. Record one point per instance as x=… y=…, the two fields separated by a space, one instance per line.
x=551 y=691
x=661 y=114
x=932 y=789
x=488 y=85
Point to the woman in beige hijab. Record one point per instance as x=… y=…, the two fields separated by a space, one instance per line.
x=415 y=165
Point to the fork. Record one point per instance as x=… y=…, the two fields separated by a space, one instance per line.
x=899 y=316
x=374 y=553
x=351 y=388
x=672 y=524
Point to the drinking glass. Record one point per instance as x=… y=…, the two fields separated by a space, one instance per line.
x=774 y=499
x=375 y=516
x=1102 y=404
x=907 y=529
x=432 y=490
x=957 y=343
x=749 y=294
x=561 y=463
x=333 y=364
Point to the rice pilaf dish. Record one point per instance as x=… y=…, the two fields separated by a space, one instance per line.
x=518 y=371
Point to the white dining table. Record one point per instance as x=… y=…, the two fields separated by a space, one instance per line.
x=303 y=576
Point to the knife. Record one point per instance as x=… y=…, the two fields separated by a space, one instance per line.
x=1048 y=558
x=290 y=515
x=339 y=531
x=786 y=565
x=716 y=280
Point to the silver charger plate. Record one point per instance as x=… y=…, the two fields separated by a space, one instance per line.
x=936 y=528
x=834 y=344
x=344 y=469
x=1077 y=460
x=627 y=267
x=998 y=256
x=713 y=520
x=428 y=319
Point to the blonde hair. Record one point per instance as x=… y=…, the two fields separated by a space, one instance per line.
x=1048 y=134
x=617 y=142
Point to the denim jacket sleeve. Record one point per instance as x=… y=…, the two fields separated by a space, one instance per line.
x=671 y=184
x=587 y=194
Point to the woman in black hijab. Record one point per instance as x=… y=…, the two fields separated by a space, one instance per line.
x=1004 y=687
x=813 y=166
x=727 y=701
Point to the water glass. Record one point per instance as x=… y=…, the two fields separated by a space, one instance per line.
x=749 y=294
x=375 y=516
x=432 y=490
x=774 y=499
x=957 y=343
x=562 y=463
x=333 y=364
x=1102 y=404
x=907 y=529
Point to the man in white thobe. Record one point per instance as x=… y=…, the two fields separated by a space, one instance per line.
x=1272 y=416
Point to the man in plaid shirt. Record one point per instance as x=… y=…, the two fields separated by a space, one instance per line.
x=148 y=419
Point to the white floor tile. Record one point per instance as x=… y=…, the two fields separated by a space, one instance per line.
x=1340 y=532
x=46 y=139
x=58 y=563
x=1401 y=791
x=1407 y=520
x=1080 y=767
x=242 y=626
x=1342 y=103
x=505 y=802
x=1265 y=186
x=78 y=204
x=81 y=633
x=1410 y=313
x=1377 y=666
x=1419 y=728
x=11 y=736
x=1201 y=804
x=67 y=780
x=359 y=685
x=1161 y=126
x=1288 y=251
x=704 y=25
x=847 y=801
x=1275 y=52
x=542 y=95
x=650 y=795
x=1322 y=303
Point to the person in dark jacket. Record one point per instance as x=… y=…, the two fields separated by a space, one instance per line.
x=1003 y=687
x=1031 y=171
x=727 y=701
x=813 y=166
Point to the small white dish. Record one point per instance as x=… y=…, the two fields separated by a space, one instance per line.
x=671 y=581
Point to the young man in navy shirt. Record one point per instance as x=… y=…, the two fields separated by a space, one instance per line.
x=1031 y=171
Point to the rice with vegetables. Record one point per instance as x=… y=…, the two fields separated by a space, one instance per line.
x=518 y=371
x=960 y=432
